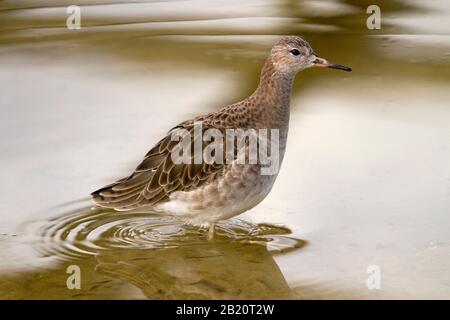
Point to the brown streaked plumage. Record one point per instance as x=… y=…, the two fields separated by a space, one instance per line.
x=205 y=193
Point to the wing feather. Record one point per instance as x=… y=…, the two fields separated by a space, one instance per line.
x=157 y=176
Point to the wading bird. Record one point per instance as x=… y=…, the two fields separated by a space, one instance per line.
x=204 y=193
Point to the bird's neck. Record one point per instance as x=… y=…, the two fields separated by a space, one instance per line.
x=274 y=91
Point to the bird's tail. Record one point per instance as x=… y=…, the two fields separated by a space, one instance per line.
x=122 y=195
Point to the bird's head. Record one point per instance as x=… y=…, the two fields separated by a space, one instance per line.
x=292 y=54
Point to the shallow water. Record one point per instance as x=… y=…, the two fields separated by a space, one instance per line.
x=159 y=255
x=365 y=180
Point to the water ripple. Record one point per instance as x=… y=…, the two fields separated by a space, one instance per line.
x=91 y=231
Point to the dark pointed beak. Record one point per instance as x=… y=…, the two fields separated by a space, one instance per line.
x=319 y=62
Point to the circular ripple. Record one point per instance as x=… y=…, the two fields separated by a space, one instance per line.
x=90 y=231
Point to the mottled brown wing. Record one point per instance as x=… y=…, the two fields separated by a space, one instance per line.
x=157 y=176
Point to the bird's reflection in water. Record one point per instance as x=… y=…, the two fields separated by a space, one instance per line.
x=209 y=271
x=163 y=258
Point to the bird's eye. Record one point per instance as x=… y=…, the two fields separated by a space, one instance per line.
x=294 y=52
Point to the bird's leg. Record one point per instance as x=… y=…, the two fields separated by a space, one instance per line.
x=211 y=231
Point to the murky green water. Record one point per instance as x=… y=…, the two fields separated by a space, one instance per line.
x=365 y=180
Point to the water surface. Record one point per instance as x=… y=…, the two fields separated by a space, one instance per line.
x=365 y=180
